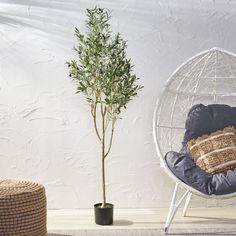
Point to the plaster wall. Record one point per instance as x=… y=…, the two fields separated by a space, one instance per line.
x=46 y=131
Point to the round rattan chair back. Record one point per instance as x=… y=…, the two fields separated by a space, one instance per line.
x=209 y=77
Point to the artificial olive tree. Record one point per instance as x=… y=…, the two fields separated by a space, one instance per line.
x=103 y=73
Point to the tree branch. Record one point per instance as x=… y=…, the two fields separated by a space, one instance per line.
x=107 y=121
x=111 y=137
x=95 y=120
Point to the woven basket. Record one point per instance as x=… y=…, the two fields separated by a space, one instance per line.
x=22 y=208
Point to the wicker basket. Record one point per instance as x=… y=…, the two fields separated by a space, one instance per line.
x=22 y=208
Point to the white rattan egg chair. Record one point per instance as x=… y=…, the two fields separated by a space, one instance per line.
x=207 y=78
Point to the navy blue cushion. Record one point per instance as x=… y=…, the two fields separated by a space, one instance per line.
x=203 y=120
x=185 y=169
x=207 y=119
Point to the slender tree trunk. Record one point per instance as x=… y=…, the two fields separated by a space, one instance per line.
x=103 y=181
x=103 y=162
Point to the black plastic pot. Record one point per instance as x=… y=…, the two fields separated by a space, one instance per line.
x=103 y=216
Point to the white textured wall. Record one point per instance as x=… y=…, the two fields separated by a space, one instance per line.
x=46 y=133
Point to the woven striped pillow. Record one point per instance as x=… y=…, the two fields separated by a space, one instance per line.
x=216 y=152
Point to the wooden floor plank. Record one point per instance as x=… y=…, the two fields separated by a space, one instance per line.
x=143 y=219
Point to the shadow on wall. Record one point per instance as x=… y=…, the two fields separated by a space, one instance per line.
x=53 y=19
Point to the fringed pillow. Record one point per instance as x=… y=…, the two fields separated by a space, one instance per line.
x=216 y=152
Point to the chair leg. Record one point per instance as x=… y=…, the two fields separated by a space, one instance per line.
x=174 y=207
x=171 y=208
x=188 y=198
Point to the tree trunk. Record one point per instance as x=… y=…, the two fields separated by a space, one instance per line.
x=103 y=162
x=103 y=184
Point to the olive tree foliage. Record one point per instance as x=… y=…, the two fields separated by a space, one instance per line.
x=103 y=73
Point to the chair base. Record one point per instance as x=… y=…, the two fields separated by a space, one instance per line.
x=174 y=206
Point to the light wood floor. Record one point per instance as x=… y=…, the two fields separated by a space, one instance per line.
x=143 y=219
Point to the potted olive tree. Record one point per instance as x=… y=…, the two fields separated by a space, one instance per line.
x=103 y=73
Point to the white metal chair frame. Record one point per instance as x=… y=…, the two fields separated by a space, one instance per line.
x=174 y=205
